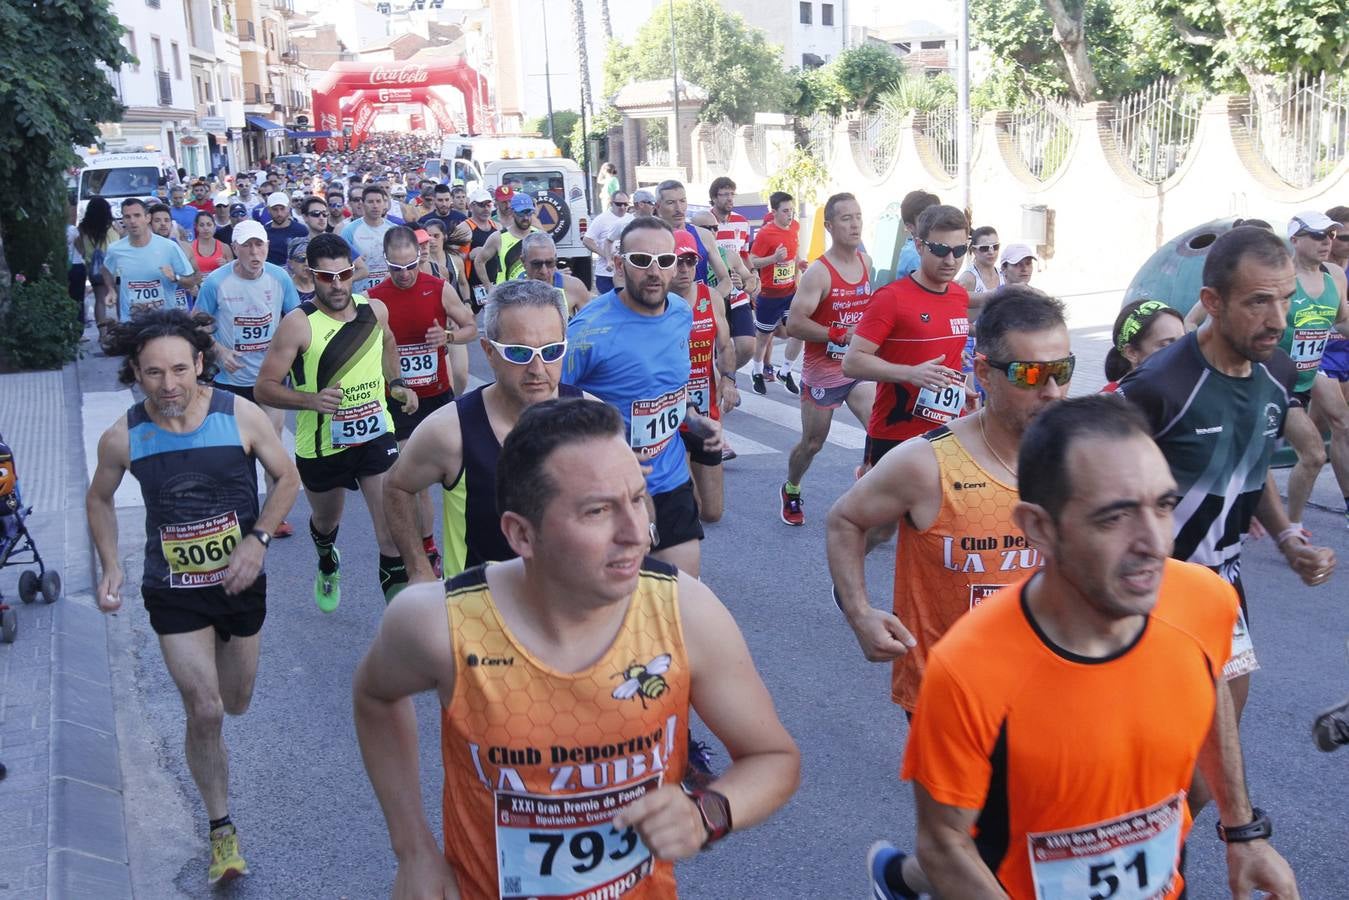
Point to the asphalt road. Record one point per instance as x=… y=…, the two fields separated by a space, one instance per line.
x=310 y=826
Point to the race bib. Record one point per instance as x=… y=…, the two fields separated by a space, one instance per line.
x=146 y=293
x=1308 y=346
x=180 y=299
x=252 y=334
x=198 y=553
x=565 y=847
x=1129 y=858
x=981 y=592
x=784 y=273
x=941 y=405
x=1242 y=661
x=418 y=364
x=700 y=393
x=836 y=351
x=480 y=295
x=655 y=421
x=358 y=424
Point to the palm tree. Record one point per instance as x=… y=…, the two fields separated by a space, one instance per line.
x=605 y=23
x=578 y=24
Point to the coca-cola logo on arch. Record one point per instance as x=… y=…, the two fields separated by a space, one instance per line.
x=399 y=75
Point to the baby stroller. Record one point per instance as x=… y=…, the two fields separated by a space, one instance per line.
x=15 y=541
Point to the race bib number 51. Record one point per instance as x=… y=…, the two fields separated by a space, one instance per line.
x=565 y=847
x=198 y=553
x=1129 y=858
x=655 y=421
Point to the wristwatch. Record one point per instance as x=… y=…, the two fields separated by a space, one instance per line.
x=398 y=382
x=715 y=811
x=1259 y=828
x=263 y=537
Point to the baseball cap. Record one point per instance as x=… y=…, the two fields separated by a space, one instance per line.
x=480 y=196
x=521 y=202
x=247 y=230
x=398 y=190
x=1311 y=220
x=222 y=199
x=238 y=209
x=299 y=248
x=684 y=242
x=278 y=199
x=643 y=196
x=422 y=236
x=1015 y=253
x=503 y=192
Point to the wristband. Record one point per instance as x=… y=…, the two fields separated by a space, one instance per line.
x=730 y=375
x=838 y=334
x=715 y=812
x=1259 y=828
x=1292 y=531
x=398 y=382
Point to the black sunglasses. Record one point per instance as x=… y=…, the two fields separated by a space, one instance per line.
x=941 y=251
x=1317 y=235
x=986 y=248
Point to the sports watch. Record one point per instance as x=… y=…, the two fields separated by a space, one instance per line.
x=263 y=537
x=715 y=811
x=1259 y=828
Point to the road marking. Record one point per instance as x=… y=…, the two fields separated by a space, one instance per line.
x=1099 y=335
x=841 y=434
x=744 y=446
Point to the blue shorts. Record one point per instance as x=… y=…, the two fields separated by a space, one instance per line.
x=741 y=320
x=827 y=397
x=1335 y=360
x=770 y=312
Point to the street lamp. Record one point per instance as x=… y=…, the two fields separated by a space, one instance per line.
x=963 y=136
x=674 y=65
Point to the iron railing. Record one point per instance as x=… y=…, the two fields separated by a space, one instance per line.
x=1154 y=128
x=877 y=140
x=941 y=131
x=1301 y=125
x=1042 y=133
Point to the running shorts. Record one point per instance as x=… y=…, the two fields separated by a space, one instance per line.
x=740 y=319
x=830 y=397
x=404 y=423
x=770 y=312
x=343 y=470
x=877 y=448
x=676 y=517
x=694 y=445
x=179 y=611
x=238 y=390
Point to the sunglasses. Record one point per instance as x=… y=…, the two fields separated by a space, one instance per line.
x=941 y=251
x=1035 y=374
x=644 y=260
x=317 y=213
x=1318 y=235
x=523 y=354
x=335 y=204
x=334 y=277
x=688 y=259
x=619 y=205
x=987 y=248
x=1342 y=237
x=543 y=263
x=395 y=267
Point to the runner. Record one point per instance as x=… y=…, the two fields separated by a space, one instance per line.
x=340 y=354
x=143 y=268
x=599 y=239
x=978 y=280
x=1017 y=264
x=733 y=240
x=910 y=208
x=630 y=348
x=481 y=227
x=194 y=456
x=365 y=236
x=776 y=254
x=1109 y=616
x=1141 y=329
x=592 y=626
x=825 y=312
x=281 y=227
x=162 y=224
x=208 y=254
x=1216 y=401
x=538 y=254
x=425 y=313
x=504 y=245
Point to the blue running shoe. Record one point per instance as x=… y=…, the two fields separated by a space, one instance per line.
x=879 y=858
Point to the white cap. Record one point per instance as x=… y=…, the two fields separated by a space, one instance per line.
x=280 y=198
x=480 y=196
x=222 y=199
x=1015 y=253
x=247 y=230
x=1311 y=220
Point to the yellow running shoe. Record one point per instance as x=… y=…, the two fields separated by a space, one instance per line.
x=226 y=863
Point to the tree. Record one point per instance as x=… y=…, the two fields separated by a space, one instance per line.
x=578 y=30
x=741 y=72
x=606 y=24
x=565 y=120
x=53 y=94
x=866 y=72
x=816 y=90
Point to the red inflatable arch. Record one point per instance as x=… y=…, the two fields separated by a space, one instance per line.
x=346 y=78
x=362 y=105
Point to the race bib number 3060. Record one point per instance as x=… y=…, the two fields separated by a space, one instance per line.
x=566 y=847
x=1132 y=857
x=198 y=553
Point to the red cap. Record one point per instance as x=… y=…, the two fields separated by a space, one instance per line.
x=684 y=242
x=503 y=193
x=422 y=236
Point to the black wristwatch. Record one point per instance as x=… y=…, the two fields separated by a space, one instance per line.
x=398 y=382
x=1259 y=828
x=715 y=811
x=263 y=537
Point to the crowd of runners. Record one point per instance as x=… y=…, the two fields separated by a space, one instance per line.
x=1068 y=631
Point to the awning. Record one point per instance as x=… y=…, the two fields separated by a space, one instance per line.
x=267 y=126
x=304 y=135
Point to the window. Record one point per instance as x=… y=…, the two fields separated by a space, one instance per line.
x=177 y=61
x=131 y=48
x=826 y=14
x=932 y=45
x=158 y=50
x=805 y=12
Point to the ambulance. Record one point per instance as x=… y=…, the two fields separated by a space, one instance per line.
x=121 y=174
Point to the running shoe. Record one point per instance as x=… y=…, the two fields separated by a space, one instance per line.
x=770 y=374
x=790 y=383
x=879 y=857
x=284 y=530
x=727 y=451
x=758 y=381
x=434 y=558
x=791 y=507
x=1331 y=728
x=226 y=863
x=328 y=587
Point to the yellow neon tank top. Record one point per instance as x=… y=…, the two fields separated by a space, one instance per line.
x=971 y=550
x=537 y=762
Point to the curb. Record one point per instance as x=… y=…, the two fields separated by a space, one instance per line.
x=86 y=832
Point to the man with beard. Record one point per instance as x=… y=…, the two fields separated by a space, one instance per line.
x=504 y=246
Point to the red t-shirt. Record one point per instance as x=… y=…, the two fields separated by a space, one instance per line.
x=778 y=279
x=910 y=325
x=411 y=312
x=207 y=205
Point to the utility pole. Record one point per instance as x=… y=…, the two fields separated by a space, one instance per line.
x=547 y=71
x=674 y=65
x=963 y=135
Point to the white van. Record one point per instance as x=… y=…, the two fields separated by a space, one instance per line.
x=558 y=187
x=117 y=176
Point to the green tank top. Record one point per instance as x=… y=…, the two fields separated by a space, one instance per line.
x=510 y=257
x=350 y=353
x=1309 y=322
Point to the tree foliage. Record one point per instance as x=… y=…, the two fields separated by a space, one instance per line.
x=53 y=94
x=567 y=123
x=741 y=72
x=866 y=72
x=816 y=90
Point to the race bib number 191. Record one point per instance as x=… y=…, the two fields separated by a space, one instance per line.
x=1129 y=858
x=939 y=406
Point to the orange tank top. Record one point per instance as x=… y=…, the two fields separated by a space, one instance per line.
x=971 y=550
x=538 y=762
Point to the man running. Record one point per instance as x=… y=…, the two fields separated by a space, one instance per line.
x=733 y=240
x=425 y=313
x=340 y=355
x=162 y=224
x=910 y=208
x=281 y=228
x=775 y=253
x=595 y=627
x=143 y=268
x=825 y=312
x=1106 y=673
x=504 y=245
x=365 y=236
x=442 y=206
x=194 y=454
x=599 y=239
x=524 y=338
x=630 y=348
x=911 y=338
x=247 y=299
x=481 y=227
x=539 y=257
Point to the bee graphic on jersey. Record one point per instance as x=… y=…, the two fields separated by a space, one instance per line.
x=644 y=682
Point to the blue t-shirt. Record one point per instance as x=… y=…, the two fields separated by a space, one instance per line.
x=908 y=259
x=139 y=270
x=247 y=313
x=278 y=240
x=366 y=240
x=186 y=217
x=640 y=365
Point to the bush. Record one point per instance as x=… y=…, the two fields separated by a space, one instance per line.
x=38 y=326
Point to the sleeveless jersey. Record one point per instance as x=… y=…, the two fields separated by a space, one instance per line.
x=478 y=235
x=200 y=491
x=971 y=551
x=208 y=264
x=472 y=525
x=843 y=305
x=702 y=355
x=511 y=265
x=352 y=353
x=537 y=762
x=733 y=239
x=411 y=312
x=700 y=273
x=1309 y=322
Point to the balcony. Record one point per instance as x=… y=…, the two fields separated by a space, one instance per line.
x=285 y=7
x=246 y=31
x=165 y=87
x=290 y=54
x=253 y=94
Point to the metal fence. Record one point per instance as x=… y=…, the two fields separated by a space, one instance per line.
x=876 y=140
x=819 y=137
x=1043 y=133
x=758 y=147
x=1154 y=128
x=719 y=145
x=940 y=129
x=1301 y=126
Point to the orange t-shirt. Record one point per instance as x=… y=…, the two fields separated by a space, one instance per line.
x=538 y=762
x=971 y=550
x=1079 y=767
